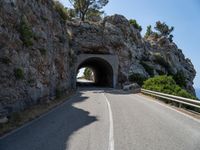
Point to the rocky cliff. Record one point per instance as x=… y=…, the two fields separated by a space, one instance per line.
x=38 y=52
x=137 y=55
x=35 y=58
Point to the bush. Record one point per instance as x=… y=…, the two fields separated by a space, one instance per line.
x=19 y=73
x=166 y=84
x=26 y=32
x=63 y=12
x=135 y=24
x=137 y=78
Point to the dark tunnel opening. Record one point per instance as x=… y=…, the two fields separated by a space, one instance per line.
x=102 y=71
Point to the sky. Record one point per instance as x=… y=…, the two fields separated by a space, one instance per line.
x=184 y=15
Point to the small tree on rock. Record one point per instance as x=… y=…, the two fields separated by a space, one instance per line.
x=82 y=7
x=164 y=30
x=148 y=32
x=135 y=24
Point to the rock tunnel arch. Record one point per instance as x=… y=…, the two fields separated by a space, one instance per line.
x=105 y=68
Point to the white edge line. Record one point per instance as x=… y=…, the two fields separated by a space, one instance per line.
x=111 y=137
x=37 y=118
x=171 y=108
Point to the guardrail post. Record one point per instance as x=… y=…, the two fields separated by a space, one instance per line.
x=180 y=105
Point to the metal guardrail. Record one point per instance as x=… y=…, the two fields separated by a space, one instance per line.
x=180 y=100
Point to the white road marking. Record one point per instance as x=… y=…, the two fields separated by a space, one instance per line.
x=37 y=118
x=111 y=137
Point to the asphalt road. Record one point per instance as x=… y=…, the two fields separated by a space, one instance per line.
x=106 y=119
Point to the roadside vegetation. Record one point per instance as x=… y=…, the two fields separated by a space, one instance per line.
x=166 y=84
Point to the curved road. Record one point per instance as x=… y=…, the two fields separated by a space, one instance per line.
x=106 y=119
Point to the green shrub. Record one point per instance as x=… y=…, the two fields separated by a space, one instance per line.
x=26 y=32
x=63 y=12
x=19 y=73
x=138 y=78
x=148 y=68
x=166 y=84
x=135 y=24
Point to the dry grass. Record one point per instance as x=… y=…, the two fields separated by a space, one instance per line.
x=20 y=118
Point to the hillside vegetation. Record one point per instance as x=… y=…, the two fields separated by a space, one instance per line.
x=166 y=84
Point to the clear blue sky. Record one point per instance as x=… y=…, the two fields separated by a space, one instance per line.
x=184 y=15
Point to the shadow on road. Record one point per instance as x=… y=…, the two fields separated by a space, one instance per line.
x=53 y=131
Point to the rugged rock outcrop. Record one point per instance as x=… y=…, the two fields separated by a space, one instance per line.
x=35 y=58
x=137 y=55
x=38 y=52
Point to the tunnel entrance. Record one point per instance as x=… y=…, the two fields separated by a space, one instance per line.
x=102 y=72
x=104 y=66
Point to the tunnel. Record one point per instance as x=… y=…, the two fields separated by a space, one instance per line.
x=103 y=71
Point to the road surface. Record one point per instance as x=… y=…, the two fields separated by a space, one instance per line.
x=106 y=119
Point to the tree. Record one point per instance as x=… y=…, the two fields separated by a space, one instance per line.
x=164 y=30
x=87 y=74
x=83 y=6
x=135 y=24
x=148 y=32
x=93 y=13
x=65 y=13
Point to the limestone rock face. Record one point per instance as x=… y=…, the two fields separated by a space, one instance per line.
x=32 y=72
x=147 y=57
x=38 y=52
